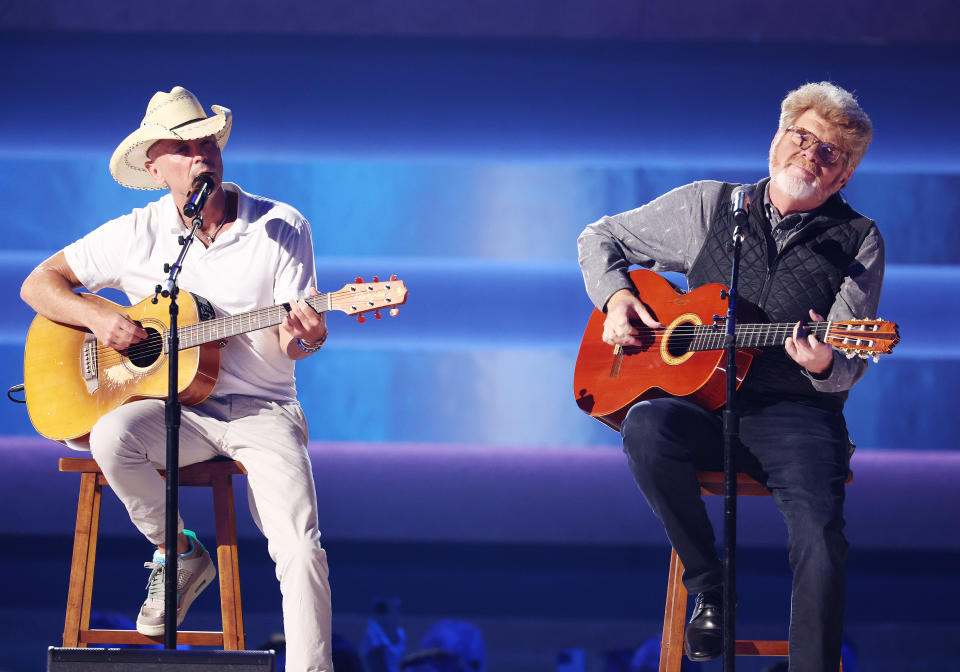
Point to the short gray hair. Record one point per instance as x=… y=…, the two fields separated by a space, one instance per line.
x=836 y=105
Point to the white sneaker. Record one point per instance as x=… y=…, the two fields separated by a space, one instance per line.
x=195 y=571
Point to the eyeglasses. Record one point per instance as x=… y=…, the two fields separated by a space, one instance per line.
x=828 y=153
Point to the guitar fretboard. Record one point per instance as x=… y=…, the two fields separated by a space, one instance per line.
x=712 y=336
x=219 y=328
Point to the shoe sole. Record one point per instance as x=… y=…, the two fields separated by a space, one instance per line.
x=205 y=580
x=702 y=657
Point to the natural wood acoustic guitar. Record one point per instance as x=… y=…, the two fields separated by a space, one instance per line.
x=70 y=380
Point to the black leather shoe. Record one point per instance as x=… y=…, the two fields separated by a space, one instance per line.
x=703 y=639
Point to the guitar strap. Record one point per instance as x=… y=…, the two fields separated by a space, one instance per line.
x=205 y=309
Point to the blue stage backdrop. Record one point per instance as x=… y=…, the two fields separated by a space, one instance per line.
x=463 y=146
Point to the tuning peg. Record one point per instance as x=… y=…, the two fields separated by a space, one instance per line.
x=358 y=280
x=361 y=319
x=393 y=278
x=394 y=312
x=376 y=278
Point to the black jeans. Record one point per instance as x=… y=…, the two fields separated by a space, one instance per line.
x=801 y=453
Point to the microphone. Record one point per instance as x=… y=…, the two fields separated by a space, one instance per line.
x=740 y=205
x=197 y=197
x=740 y=202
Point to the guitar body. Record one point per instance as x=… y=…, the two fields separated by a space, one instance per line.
x=67 y=393
x=608 y=380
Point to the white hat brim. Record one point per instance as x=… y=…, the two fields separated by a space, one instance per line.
x=128 y=163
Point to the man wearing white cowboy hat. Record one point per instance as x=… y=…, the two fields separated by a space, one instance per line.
x=254 y=252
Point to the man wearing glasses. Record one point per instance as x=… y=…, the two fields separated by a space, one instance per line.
x=806 y=253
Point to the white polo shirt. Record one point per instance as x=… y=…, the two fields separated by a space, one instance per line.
x=265 y=258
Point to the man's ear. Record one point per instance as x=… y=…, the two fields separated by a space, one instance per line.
x=154 y=172
x=846 y=178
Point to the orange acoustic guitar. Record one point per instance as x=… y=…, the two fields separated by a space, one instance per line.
x=70 y=380
x=686 y=357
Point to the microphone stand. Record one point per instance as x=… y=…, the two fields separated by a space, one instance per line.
x=172 y=421
x=731 y=437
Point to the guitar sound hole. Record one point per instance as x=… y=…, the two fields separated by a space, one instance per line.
x=678 y=344
x=145 y=353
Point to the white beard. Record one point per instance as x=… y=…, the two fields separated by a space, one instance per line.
x=794 y=186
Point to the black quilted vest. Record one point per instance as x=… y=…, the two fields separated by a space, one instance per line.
x=782 y=286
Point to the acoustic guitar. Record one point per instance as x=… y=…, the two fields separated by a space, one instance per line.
x=687 y=357
x=70 y=380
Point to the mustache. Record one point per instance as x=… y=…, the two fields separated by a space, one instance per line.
x=808 y=166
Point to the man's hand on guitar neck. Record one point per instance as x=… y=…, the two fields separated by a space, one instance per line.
x=808 y=351
x=303 y=326
x=622 y=307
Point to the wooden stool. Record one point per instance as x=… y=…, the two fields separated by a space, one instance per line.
x=216 y=474
x=675 y=614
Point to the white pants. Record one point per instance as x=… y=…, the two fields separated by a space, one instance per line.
x=270 y=439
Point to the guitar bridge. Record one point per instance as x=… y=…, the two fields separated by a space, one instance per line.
x=617 y=361
x=89 y=363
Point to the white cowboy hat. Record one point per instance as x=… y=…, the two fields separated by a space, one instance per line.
x=177 y=115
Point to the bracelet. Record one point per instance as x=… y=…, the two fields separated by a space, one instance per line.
x=309 y=349
x=311 y=346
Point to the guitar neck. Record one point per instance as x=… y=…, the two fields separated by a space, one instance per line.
x=712 y=337
x=219 y=328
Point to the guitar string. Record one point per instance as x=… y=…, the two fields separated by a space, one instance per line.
x=683 y=335
x=682 y=332
x=153 y=347
x=756 y=335
x=712 y=337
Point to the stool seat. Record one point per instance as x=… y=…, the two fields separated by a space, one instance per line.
x=216 y=474
x=675 y=613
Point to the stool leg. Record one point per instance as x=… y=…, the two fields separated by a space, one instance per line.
x=91 y=556
x=228 y=563
x=80 y=591
x=674 y=618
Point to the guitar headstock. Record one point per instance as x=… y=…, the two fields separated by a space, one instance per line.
x=362 y=297
x=863 y=338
